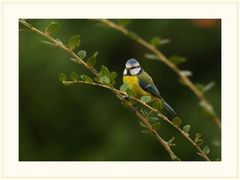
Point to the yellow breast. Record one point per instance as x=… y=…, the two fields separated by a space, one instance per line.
x=132 y=82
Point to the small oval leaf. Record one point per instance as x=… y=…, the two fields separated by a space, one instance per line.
x=206 y=150
x=158 y=104
x=151 y=56
x=86 y=78
x=92 y=60
x=156 y=125
x=124 y=87
x=96 y=79
x=144 y=112
x=51 y=28
x=177 y=121
x=198 y=140
x=155 y=41
x=113 y=75
x=104 y=71
x=187 y=128
x=143 y=125
x=74 y=42
x=62 y=77
x=104 y=79
x=82 y=54
x=146 y=99
x=153 y=119
x=177 y=59
x=74 y=76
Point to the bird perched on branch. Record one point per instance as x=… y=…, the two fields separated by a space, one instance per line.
x=142 y=84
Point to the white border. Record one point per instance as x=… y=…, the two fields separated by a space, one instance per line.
x=226 y=11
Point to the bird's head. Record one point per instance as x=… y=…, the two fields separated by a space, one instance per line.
x=132 y=67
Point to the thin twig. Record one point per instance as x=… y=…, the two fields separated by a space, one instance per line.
x=154 y=132
x=59 y=44
x=162 y=58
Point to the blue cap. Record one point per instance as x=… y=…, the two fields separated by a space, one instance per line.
x=132 y=63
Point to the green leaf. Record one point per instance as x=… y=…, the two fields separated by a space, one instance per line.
x=207 y=108
x=86 y=78
x=74 y=76
x=74 y=42
x=153 y=119
x=209 y=86
x=156 y=125
x=92 y=60
x=74 y=60
x=156 y=41
x=124 y=87
x=186 y=73
x=146 y=99
x=62 y=77
x=158 y=104
x=151 y=56
x=206 y=150
x=216 y=143
x=130 y=92
x=104 y=79
x=200 y=86
x=123 y=22
x=177 y=59
x=144 y=112
x=143 y=125
x=82 y=54
x=113 y=75
x=170 y=142
x=198 y=135
x=186 y=128
x=198 y=139
x=104 y=71
x=177 y=121
x=205 y=88
x=164 y=41
x=96 y=79
x=51 y=28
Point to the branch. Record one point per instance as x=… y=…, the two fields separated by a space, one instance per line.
x=118 y=93
x=121 y=93
x=59 y=44
x=162 y=58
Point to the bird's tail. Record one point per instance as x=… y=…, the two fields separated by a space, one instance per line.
x=169 y=110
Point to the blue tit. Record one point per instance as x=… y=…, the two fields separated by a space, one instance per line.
x=142 y=84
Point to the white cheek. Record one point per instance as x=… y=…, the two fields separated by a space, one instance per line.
x=125 y=72
x=134 y=71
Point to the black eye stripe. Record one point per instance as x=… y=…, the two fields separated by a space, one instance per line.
x=134 y=67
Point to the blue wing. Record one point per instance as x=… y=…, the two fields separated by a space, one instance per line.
x=146 y=83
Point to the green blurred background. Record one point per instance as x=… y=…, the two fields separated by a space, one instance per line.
x=86 y=123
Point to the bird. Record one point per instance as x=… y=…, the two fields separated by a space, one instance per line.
x=142 y=84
